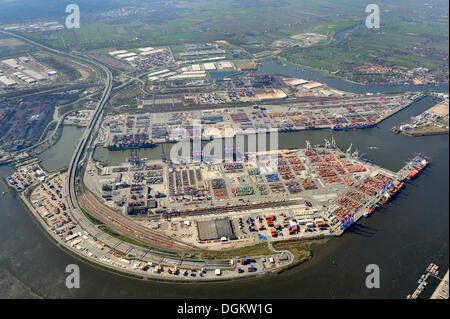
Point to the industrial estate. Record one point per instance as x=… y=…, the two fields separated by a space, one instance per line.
x=177 y=219
x=218 y=211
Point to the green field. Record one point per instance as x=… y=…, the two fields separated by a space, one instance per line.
x=390 y=45
x=71 y=72
x=11 y=47
x=264 y=21
x=251 y=251
x=301 y=249
x=206 y=20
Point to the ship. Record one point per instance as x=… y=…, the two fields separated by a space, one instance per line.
x=369 y=211
x=206 y=138
x=421 y=163
x=418 y=97
x=121 y=147
x=163 y=154
x=312 y=127
x=394 y=190
x=287 y=128
x=351 y=127
x=132 y=141
x=385 y=198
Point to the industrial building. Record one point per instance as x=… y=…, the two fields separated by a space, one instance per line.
x=7 y=82
x=215 y=229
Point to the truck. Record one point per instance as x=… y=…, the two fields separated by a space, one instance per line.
x=251 y=268
x=273 y=232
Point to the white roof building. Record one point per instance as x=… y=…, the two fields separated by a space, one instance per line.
x=209 y=66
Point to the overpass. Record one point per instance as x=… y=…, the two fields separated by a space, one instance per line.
x=70 y=183
x=77 y=213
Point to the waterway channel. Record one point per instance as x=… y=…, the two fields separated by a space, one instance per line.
x=271 y=67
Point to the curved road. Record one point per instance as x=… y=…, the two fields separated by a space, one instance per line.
x=77 y=213
x=70 y=184
x=84 y=142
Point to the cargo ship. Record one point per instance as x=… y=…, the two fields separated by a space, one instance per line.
x=121 y=147
x=419 y=167
x=132 y=141
x=418 y=164
x=287 y=128
x=310 y=127
x=394 y=190
x=369 y=211
x=351 y=127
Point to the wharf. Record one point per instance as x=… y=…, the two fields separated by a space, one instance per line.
x=421 y=287
x=441 y=291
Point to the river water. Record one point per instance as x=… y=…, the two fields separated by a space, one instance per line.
x=270 y=67
x=402 y=238
x=58 y=156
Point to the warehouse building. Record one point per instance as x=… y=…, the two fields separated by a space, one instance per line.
x=7 y=82
x=215 y=229
x=34 y=74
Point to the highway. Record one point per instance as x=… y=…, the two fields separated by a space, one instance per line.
x=77 y=213
x=72 y=170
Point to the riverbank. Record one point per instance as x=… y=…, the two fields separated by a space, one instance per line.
x=275 y=68
x=122 y=264
x=337 y=268
x=433 y=121
x=83 y=237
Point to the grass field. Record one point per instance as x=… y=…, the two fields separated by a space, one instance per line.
x=254 y=24
x=203 y=20
x=91 y=218
x=56 y=64
x=390 y=45
x=255 y=250
x=301 y=249
x=10 y=47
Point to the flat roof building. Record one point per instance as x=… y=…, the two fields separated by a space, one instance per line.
x=312 y=85
x=209 y=66
x=11 y=63
x=7 y=81
x=34 y=74
x=126 y=55
x=118 y=52
x=215 y=229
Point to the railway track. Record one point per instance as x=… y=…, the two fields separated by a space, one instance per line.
x=84 y=142
x=127 y=226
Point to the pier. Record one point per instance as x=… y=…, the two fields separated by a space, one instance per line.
x=420 y=288
x=441 y=291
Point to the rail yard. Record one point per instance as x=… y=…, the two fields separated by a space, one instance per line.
x=167 y=210
x=166 y=219
x=313 y=192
